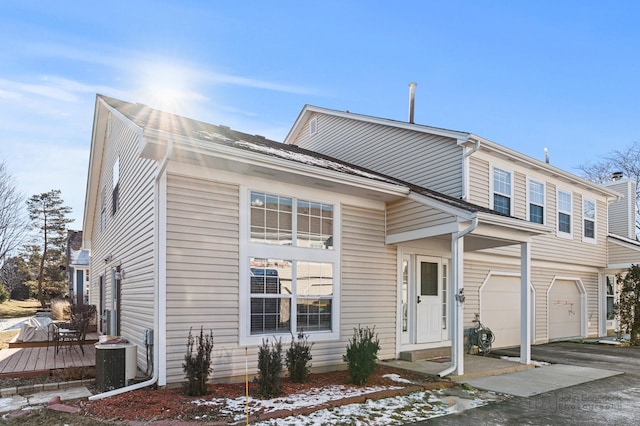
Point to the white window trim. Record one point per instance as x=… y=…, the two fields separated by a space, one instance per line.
x=544 y=199
x=493 y=191
x=248 y=250
x=567 y=235
x=595 y=221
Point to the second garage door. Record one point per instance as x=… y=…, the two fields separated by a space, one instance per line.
x=565 y=310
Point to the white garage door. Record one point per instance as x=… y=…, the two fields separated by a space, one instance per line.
x=565 y=310
x=500 y=309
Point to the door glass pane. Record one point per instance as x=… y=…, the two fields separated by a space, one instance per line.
x=428 y=279
x=405 y=295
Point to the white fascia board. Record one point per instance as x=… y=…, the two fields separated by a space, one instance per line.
x=309 y=109
x=513 y=223
x=615 y=266
x=544 y=167
x=433 y=231
x=623 y=242
x=281 y=164
x=464 y=215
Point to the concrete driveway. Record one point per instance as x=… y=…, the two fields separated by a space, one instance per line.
x=613 y=400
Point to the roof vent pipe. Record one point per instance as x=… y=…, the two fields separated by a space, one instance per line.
x=616 y=176
x=412 y=95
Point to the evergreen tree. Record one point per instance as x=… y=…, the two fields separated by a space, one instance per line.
x=628 y=308
x=48 y=214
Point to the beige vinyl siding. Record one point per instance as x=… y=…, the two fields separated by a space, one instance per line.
x=479 y=182
x=430 y=161
x=553 y=248
x=623 y=254
x=202 y=268
x=406 y=215
x=135 y=220
x=369 y=295
x=203 y=278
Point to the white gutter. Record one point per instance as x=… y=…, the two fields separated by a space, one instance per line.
x=465 y=168
x=457 y=300
x=159 y=287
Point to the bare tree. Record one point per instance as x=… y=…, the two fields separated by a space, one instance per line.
x=625 y=160
x=48 y=214
x=13 y=221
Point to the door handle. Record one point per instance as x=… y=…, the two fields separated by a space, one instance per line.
x=419 y=299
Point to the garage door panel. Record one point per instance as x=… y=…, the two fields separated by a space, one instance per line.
x=500 y=310
x=565 y=310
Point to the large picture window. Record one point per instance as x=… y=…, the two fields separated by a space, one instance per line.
x=292 y=265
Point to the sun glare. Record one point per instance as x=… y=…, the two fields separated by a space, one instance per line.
x=168 y=87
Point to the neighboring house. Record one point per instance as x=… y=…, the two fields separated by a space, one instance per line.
x=77 y=268
x=591 y=228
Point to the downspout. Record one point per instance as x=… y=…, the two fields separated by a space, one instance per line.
x=465 y=168
x=457 y=298
x=157 y=288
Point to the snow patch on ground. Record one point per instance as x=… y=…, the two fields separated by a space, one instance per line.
x=517 y=359
x=396 y=410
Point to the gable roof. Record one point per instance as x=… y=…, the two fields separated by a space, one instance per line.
x=461 y=137
x=154 y=124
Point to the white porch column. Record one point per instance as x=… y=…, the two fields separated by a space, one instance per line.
x=525 y=303
x=457 y=344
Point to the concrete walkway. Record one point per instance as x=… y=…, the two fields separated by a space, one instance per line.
x=540 y=379
x=509 y=377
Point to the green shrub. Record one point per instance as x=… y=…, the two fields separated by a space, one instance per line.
x=298 y=357
x=197 y=364
x=269 y=368
x=362 y=352
x=4 y=294
x=21 y=292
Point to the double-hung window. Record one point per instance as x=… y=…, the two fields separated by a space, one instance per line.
x=502 y=191
x=292 y=266
x=564 y=214
x=589 y=220
x=536 y=202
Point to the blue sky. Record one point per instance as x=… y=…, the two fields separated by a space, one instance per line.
x=524 y=74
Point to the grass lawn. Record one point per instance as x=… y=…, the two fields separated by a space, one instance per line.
x=15 y=309
x=19 y=308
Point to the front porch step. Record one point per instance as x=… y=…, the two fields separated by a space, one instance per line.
x=421 y=354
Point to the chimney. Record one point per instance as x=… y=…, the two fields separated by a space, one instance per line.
x=412 y=95
x=546 y=155
x=616 y=176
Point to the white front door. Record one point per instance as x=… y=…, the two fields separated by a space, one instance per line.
x=428 y=300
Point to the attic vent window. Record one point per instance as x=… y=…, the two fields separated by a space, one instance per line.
x=313 y=126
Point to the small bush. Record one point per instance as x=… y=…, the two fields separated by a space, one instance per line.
x=298 y=357
x=362 y=352
x=269 y=369
x=197 y=364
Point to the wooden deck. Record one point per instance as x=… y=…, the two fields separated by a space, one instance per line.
x=42 y=360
